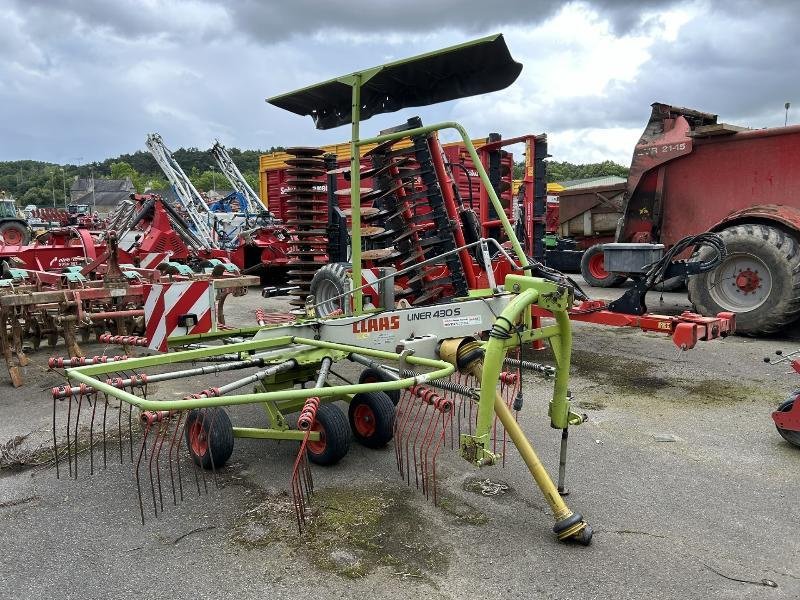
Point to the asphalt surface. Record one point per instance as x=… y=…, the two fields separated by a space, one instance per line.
x=678 y=469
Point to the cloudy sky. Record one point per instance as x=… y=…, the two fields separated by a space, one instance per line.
x=82 y=80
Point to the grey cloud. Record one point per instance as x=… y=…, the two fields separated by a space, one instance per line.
x=128 y=19
x=268 y=21
x=742 y=69
x=92 y=78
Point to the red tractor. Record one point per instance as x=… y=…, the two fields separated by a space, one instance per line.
x=13 y=228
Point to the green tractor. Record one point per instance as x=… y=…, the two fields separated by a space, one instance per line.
x=14 y=229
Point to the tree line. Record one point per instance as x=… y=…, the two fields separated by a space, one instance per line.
x=48 y=184
x=566 y=171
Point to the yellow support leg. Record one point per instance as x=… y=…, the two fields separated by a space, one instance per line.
x=569 y=525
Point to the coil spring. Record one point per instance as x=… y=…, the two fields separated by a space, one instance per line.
x=528 y=365
x=309 y=414
x=428 y=396
x=449 y=386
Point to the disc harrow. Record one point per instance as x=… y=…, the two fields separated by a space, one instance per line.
x=307 y=201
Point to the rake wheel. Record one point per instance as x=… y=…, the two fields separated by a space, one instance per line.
x=209 y=437
x=372 y=419
x=334 y=442
x=370 y=375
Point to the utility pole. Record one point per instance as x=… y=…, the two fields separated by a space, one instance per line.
x=214 y=177
x=786 y=116
x=64 y=181
x=94 y=202
x=53 y=186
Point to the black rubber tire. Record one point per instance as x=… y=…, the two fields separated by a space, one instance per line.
x=335 y=431
x=370 y=375
x=23 y=232
x=216 y=425
x=371 y=418
x=780 y=252
x=330 y=281
x=610 y=280
x=793 y=437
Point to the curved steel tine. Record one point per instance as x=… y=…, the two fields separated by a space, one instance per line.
x=138 y=464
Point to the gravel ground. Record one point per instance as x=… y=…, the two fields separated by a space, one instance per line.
x=679 y=469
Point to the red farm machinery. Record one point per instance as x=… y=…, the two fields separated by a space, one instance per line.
x=75 y=284
x=692 y=174
x=240 y=225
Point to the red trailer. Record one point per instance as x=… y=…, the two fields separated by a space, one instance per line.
x=691 y=174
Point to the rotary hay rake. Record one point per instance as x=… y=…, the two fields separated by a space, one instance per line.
x=432 y=411
x=438 y=376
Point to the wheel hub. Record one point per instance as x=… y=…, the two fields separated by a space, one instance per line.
x=364 y=420
x=12 y=237
x=748 y=281
x=317 y=447
x=198 y=439
x=597 y=266
x=742 y=283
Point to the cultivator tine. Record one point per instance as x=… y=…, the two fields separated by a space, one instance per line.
x=16 y=334
x=302 y=483
x=70 y=340
x=424 y=418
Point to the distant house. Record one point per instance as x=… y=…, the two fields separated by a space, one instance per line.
x=104 y=194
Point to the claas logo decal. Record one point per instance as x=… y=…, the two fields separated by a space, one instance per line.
x=377 y=324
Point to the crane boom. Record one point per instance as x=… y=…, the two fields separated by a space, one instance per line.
x=191 y=200
x=238 y=181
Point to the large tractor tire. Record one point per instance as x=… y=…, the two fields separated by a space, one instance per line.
x=593 y=269
x=759 y=279
x=14 y=233
x=328 y=286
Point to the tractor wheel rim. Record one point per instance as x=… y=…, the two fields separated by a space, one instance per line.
x=597 y=266
x=198 y=440
x=12 y=237
x=742 y=283
x=318 y=447
x=364 y=421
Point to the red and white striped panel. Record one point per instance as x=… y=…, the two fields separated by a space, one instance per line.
x=165 y=303
x=368 y=280
x=151 y=260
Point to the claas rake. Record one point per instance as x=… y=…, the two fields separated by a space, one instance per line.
x=457 y=392
x=436 y=328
